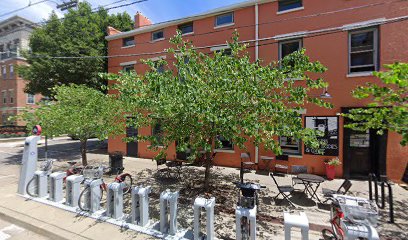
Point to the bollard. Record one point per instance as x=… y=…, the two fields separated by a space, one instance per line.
x=93 y=195
x=56 y=180
x=168 y=212
x=140 y=205
x=208 y=205
x=73 y=189
x=42 y=183
x=250 y=215
x=114 y=201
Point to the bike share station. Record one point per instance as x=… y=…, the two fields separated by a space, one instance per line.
x=44 y=180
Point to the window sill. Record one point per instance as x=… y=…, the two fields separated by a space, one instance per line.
x=128 y=46
x=186 y=34
x=157 y=40
x=295 y=156
x=224 y=151
x=290 y=10
x=224 y=25
x=161 y=147
x=362 y=74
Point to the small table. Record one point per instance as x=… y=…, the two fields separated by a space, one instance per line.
x=308 y=180
x=267 y=161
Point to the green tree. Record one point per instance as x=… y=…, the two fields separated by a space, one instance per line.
x=389 y=106
x=80 y=33
x=203 y=97
x=79 y=111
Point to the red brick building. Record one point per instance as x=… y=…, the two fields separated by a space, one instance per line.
x=351 y=38
x=14 y=36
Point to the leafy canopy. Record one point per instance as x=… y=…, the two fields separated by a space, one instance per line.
x=80 y=33
x=201 y=96
x=389 y=106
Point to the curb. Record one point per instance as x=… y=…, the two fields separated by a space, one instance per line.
x=33 y=225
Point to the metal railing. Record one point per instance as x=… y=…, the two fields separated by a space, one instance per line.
x=383 y=182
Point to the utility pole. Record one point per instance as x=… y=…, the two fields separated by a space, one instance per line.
x=67 y=5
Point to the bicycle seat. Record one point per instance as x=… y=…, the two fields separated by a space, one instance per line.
x=72 y=163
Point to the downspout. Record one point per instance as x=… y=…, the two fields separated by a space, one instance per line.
x=256 y=58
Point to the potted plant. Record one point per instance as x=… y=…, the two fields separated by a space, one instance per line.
x=331 y=167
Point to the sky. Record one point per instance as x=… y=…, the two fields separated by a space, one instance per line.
x=155 y=10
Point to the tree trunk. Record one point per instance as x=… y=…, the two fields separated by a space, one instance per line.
x=207 y=171
x=83 y=152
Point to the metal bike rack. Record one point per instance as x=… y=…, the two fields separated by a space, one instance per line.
x=41 y=181
x=250 y=214
x=114 y=201
x=29 y=163
x=384 y=183
x=140 y=205
x=208 y=205
x=168 y=211
x=56 y=182
x=93 y=196
x=73 y=189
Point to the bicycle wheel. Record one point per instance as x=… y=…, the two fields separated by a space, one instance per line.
x=127 y=179
x=81 y=200
x=32 y=187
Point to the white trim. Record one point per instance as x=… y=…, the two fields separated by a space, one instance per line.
x=288 y=36
x=290 y=10
x=374 y=50
x=295 y=156
x=186 y=34
x=302 y=111
x=157 y=58
x=364 y=24
x=224 y=151
x=359 y=74
x=123 y=64
x=210 y=13
x=129 y=46
x=298 y=40
x=219 y=48
x=225 y=25
x=158 y=40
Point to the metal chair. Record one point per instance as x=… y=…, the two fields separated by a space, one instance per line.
x=286 y=190
x=295 y=170
x=343 y=189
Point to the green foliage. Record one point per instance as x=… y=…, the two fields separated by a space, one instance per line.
x=389 y=106
x=201 y=97
x=78 y=111
x=80 y=33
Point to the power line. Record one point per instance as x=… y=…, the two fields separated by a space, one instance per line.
x=314 y=33
x=29 y=5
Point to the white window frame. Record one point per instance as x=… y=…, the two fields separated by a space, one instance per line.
x=300 y=40
x=130 y=67
x=4 y=72
x=225 y=24
x=128 y=46
x=290 y=9
x=157 y=39
x=375 y=50
x=11 y=69
x=28 y=98
x=184 y=24
x=11 y=95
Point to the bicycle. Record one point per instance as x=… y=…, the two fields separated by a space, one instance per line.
x=32 y=185
x=247 y=198
x=353 y=217
x=96 y=173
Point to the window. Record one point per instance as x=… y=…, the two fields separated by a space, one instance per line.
x=128 y=68
x=158 y=35
x=4 y=72
x=11 y=70
x=224 y=19
x=159 y=67
x=157 y=133
x=186 y=28
x=363 y=51
x=225 y=144
x=225 y=51
x=4 y=95
x=288 y=47
x=290 y=146
x=129 y=41
x=285 y=5
x=183 y=77
x=30 y=98
x=11 y=93
x=4 y=119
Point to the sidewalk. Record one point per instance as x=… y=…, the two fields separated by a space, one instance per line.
x=19 y=142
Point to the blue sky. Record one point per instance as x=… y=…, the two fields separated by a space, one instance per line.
x=156 y=10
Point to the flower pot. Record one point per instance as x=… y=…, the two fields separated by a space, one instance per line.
x=330 y=171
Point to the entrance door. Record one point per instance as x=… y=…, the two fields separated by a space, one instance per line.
x=364 y=153
x=131 y=147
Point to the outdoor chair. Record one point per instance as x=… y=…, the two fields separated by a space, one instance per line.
x=285 y=190
x=343 y=189
x=162 y=170
x=295 y=170
x=246 y=161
